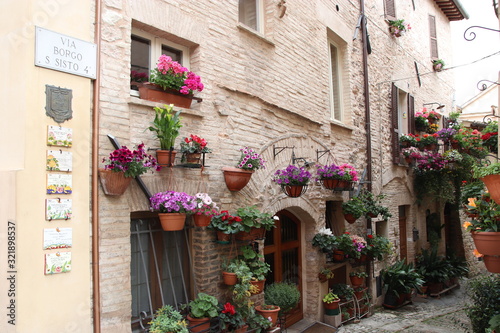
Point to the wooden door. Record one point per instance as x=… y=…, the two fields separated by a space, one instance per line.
x=282 y=250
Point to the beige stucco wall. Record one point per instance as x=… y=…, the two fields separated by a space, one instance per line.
x=61 y=302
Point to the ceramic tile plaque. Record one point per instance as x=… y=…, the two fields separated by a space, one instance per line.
x=59 y=183
x=58 y=160
x=59 y=136
x=57 y=238
x=56 y=263
x=58 y=209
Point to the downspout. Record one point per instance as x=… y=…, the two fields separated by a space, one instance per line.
x=96 y=293
x=367 y=101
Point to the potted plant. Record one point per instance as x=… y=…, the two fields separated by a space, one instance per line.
x=285 y=295
x=343 y=291
x=122 y=165
x=408 y=140
x=411 y=154
x=337 y=177
x=258 y=267
x=204 y=210
x=344 y=244
x=438 y=65
x=325 y=274
x=483 y=293
x=170 y=82
x=398 y=27
x=378 y=246
x=231 y=320
x=137 y=79
x=490 y=176
x=256 y=321
x=373 y=205
x=399 y=280
x=201 y=310
x=353 y=209
x=166 y=125
x=225 y=225
x=172 y=208
x=270 y=312
x=293 y=180
x=325 y=240
x=331 y=303
x=192 y=148
x=167 y=320
x=254 y=223
x=237 y=178
x=485 y=230
x=357 y=278
x=421 y=122
x=234 y=269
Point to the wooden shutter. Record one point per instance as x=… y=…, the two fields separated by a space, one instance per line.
x=411 y=114
x=395 y=127
x=390 y=9
x=433 y=37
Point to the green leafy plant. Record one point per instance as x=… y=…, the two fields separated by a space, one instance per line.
x=167 y=319
x=373 y=205
x=401 y=278
x=286 y=295
x=330 y=297
x=360 y=274
x=345 y=243
x=252 y=217
x=484 y=293
x=481 y=171
x=399 y=27
x=255 y=262
x=327 y=273
x=438 y=65
x=343 y=291
x=226 y=223
x=166 y=125
x=432 y=267
x=256 y=322
x=486 y=216
x=204 y=306
x=354 y=206
x=230 y=318
x=378 y=246
x=325 y=240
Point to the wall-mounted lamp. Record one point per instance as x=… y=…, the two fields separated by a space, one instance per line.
x=440 y=106
x=416 y=234
x=305 y=164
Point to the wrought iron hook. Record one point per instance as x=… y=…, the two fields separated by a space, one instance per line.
x=473 y=34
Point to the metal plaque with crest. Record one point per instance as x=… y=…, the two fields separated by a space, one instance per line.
x=58 y=103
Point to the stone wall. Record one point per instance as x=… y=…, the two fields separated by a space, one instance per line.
x=261 y=91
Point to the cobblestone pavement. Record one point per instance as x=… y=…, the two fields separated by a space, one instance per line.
x=424 y=315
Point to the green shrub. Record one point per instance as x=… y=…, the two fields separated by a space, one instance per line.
x=286 y=295
x=484 y=292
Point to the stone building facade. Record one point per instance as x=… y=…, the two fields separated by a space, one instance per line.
x=293 y=84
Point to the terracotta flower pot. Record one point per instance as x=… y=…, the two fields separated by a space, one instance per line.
x=229 y=279
x=172 y=221
x=259 y=285
x=152 y=92
x=492 y=263
x=236 y=178
x=253 y=234
x=166 y=157
x=350 y=218
x=242 y=329
x=223 y=238
x=487 y=243
x=492 y=182
x=198 y=324
x=294 y=191
x=356 y=280
x=338 y=256
x=193 y=158
x=330 y=184
x=272 y=315
x=113 y=183
x=201 y=220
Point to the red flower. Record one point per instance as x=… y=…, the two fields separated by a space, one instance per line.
x=370 y=236
x=229 y=309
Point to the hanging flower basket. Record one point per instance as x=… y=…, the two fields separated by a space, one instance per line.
x=294 y=191
x=487 y=243
x=492 y=263
x=329 y=184
x=172 y=221
x=201 y=220
x=230 y=279
x=113 y=183
x=350 y=218
x=236 y=179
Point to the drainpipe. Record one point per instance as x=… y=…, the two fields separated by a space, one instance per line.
x=96 y=294
x=367 y=100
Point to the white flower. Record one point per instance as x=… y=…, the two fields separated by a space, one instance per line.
x=325 y=231
x=275 y=217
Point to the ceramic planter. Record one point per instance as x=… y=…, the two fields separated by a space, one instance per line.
x=272 y=315
x=259 y=285
x=356 y=280
x=152 y=92
x=166 y=157
x=223 y=238
x=487 y=243
x=172 y=221
x=198 y=324
x=201 y=220
x=113 y=183
x=229 y=279
x=236 y=179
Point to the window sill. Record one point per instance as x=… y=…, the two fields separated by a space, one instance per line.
x=135 y=100
x=255 y=33
x=337 y=123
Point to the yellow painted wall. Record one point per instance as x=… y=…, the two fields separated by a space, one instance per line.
x=60 y=302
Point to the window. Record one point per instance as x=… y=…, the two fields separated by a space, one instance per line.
x=250 y=13
x=334 y=219
x=335 y=83
x=159 y=269
x=403 y=118
x=390 y=9
x=433 y=37
x=147 y=48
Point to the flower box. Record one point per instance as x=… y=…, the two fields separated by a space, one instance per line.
x=152 y=92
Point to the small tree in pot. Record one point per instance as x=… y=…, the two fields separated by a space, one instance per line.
x=286 y=295
x=166 y=125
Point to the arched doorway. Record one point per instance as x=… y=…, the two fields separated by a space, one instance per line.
x=282 y=250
